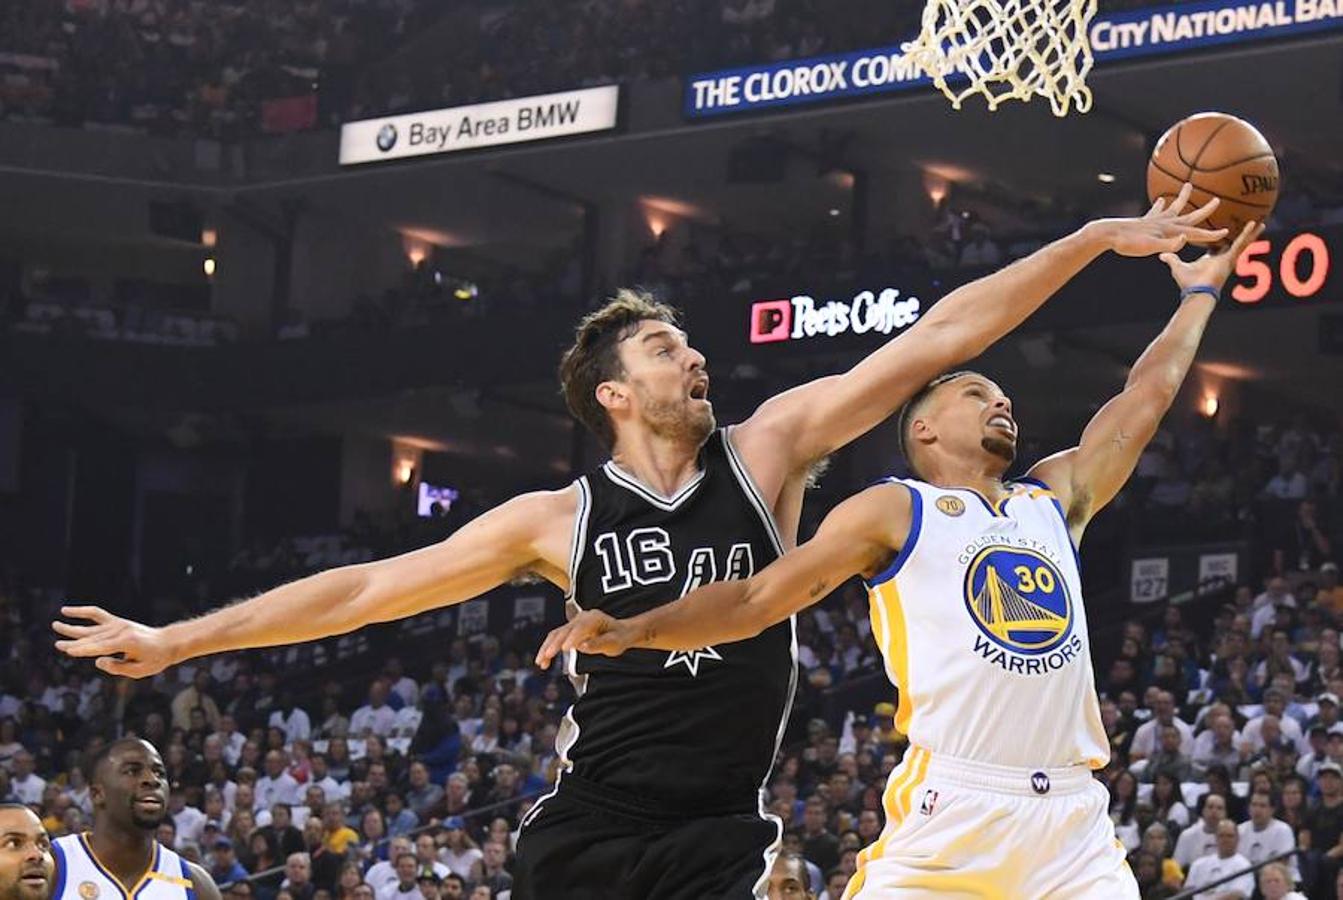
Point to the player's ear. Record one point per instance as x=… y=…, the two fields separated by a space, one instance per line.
x=613 y=395
x=922 y=431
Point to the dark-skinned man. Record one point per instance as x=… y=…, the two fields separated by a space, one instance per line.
x=120 y=859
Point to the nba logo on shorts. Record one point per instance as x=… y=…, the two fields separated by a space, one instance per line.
x=771 y=320
x=929 y=802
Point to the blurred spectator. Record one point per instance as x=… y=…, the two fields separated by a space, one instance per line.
x=1224 y=861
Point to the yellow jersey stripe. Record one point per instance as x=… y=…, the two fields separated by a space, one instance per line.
x=902 y=789
x=896 y=650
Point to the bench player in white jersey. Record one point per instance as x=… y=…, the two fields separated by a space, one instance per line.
x=120 y=859
x=977 y=607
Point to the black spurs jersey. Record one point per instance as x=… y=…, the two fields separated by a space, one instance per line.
x=695 y=732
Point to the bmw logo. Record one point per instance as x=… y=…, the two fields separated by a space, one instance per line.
x=387 y=137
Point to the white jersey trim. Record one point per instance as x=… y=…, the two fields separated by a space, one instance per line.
x=757 y=500
x=580 y=537
x=624 y=479
x=567 y=738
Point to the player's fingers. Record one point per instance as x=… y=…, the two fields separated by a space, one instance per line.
x=598 y=644
x=1182 y=198
x=92 y=613
x=550 y=646
x=86 y=647
x=113 y=666
x=1175 y=244
x=1158 y=207
x=1246 y=237
x=74 y=631
x=1170 y=259
x=1195 y=235
x=1193 y=217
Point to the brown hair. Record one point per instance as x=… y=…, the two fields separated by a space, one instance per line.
x=593 y=357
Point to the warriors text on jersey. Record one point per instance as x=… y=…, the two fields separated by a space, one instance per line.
x=981 y=623
x=691 y=732
x=80 y=876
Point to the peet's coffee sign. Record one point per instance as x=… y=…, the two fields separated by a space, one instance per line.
x=803 y=317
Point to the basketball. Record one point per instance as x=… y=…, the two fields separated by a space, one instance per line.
x=1222 y=156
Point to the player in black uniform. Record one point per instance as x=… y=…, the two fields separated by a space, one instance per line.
x=666 y=753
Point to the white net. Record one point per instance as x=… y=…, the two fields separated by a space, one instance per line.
x=1008 y=49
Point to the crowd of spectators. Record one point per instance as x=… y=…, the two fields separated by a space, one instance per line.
x=185 y=66
x=227 y=70
x=342 y=770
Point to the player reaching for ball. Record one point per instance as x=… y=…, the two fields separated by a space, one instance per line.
x=663 y=755
x=976 y=604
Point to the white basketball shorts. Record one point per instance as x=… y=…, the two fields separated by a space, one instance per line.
x=961 y=829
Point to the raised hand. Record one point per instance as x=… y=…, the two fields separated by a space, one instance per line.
x=118 y=646
x=1214 y=268
x=1164 y=229
x=590 y=631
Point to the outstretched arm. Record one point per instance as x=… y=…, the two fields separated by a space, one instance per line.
x=858 y=537
x=815 y=419
x=514 y=538
x=1087 y=477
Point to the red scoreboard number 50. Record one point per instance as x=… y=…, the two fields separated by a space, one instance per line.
x=1301 y=271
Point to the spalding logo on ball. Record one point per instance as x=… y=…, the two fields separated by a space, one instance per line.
x=387 y=137
x=1222 y=156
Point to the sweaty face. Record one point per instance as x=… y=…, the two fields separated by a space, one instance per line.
x=131 y=787
x=27 y=867
x=970 y=416
x=664 y=385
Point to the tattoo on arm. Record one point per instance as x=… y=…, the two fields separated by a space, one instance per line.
x=818 y=588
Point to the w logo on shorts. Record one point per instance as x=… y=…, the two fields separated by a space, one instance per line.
x=1040 y=782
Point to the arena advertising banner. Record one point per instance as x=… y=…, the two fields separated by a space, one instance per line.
x=1118 y=35
x=1283 y=269
x=516 y=121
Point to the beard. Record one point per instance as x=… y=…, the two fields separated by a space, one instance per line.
x=147 y=822
x=679 y=422
x=1003 y=449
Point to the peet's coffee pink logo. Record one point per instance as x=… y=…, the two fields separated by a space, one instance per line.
x=801 y=317
x=771 y=320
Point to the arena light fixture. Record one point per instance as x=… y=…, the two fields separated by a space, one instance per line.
x=1105 y=177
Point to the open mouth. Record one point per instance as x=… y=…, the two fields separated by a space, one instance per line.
x=700 y=390
x=36 y=879
x=150 y=804
x=1004 y=423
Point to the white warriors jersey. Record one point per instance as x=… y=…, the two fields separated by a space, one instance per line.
x=80 y=876
x=981 y=624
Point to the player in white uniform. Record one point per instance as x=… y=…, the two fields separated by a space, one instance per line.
x=977 y=607
x=120 y=859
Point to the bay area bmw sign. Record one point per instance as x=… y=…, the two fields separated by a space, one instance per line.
x=516 y=121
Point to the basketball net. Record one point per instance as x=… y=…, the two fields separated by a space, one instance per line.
x=1009 y=49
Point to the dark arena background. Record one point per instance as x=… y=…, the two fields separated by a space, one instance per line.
x=284 y=287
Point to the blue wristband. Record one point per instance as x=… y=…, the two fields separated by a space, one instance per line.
x=1201 y=289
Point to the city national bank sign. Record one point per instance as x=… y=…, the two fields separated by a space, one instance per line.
x=521 y=120
x=1114 y=36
